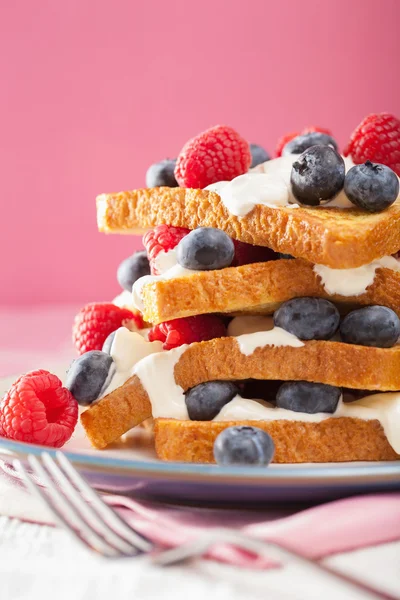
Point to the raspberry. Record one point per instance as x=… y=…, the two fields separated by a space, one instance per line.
x=94 y=323
x=37 y=409
x=218 y=154
x=245 y=254
x=377 y=138
x=161 y=238
x=187 y=330
x=290 y=136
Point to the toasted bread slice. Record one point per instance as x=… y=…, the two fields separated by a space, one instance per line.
x=257 y=288
x=338 y=238
x=334 y=363
x=332 y=440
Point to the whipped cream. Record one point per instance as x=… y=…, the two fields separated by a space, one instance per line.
x=257 y=332
x=124 y=300
x=168 y=267
x=353 y=282
x=268 y=184
x=156 y=374
x=384 y=407
x=165 y=261
x=127 y=349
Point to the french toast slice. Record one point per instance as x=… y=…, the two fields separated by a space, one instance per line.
x=331 y=440
x=257 y=288
x=334 y=363
x=338 y=238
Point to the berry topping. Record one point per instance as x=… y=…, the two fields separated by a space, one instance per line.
x=187 y=330
x=290 y=136
x=308 y=318
x=371 y=186
x=37 y=409
x=306 y=397
x=218 y=154
x=206 y=400
x=376 y=326
x=162 y=239
x=302 y=142
x=87 y=376
x=162 y=174
x=132 y=268
x=243 y=445
x=246 y=254
x=377 y=138
x=205 y=249
x=317 y=175
x=96 y=321
x=258 y=155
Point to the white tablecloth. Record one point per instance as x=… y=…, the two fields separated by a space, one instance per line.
x=39 y=562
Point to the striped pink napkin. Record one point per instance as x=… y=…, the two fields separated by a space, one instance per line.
x=317 y=532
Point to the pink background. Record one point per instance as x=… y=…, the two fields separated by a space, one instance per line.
x=93 y=92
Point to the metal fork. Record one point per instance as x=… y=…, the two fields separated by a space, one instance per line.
x=79 y=509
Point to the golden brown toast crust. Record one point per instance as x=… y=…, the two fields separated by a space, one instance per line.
x=257 y=288
x=332 y=440
x=338 y=238
x=109 y=418
x=334 y=363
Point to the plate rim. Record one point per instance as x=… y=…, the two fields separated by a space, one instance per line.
x=295 y=475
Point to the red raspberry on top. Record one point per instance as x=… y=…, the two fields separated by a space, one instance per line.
x=95 y=321
x=246 y=254
x=161 y=238
x=38 y=409
x=218 y=154
x=377 y=138
x=290 y=136
x=187 y=330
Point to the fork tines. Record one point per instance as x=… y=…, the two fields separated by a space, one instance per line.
x=78 y=508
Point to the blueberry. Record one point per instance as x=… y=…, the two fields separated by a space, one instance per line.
x=162 y=174
x=108 y=342
x=258 y=155
x=306 y=397
x=205 y=249
x=371 y=186
x=132 y=268
x=242 y=445
x=308 y=318
x=206 y=400
x=285 y=256
x=317 y=175
x=87 y=376
x=376 y=326
x=261 y=389
x=302 y=142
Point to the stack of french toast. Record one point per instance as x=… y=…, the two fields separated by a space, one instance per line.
x=270 y=297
